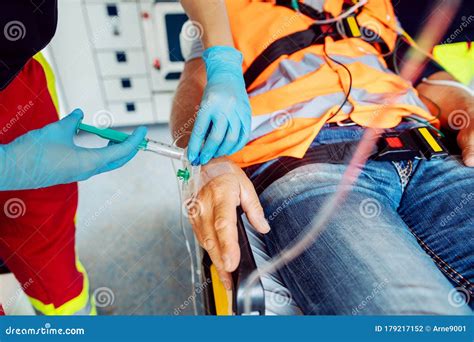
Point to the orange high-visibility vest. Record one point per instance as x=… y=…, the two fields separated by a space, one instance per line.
x=288 y=115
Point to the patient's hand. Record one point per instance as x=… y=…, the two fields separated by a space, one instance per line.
x=455 y=108
x=466 y=138
x=215 y=223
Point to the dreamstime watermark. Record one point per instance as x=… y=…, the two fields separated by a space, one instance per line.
x=14 y=208
x=281 y=120
x=184 y=129
x=378 y=287
x=192 y=30
x=21 y=110
x=370 y=208
x=282 y=29
x=103 y=119
x=458 y=297
x=370 y=31
x=46 y=330
x=466 y=21
x=107 y=204
x=465 y=199
x=110 y=25
x=104 y=297
x=459 y=119
x=13 y=299
x=280 y=297
x=188 y=125
x=192 y=207
x=14 y=30
x=192 y=298
x=282 y=206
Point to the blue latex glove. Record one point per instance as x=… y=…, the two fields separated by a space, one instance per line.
x=48 y=156
x=225 y=107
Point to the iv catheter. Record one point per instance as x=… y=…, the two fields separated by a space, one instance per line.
x=150 y=145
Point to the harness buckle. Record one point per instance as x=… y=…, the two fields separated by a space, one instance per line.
x=349 y=27
x=346 y=123
x=414 y=143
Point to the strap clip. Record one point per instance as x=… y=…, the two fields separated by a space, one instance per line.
x=414 y=143
x=349 y=27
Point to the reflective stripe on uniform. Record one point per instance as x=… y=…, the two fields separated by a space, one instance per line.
x=50 y=79
x=83 y=304
x=289 y=70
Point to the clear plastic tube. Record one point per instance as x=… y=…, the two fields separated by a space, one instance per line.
x=165 y=150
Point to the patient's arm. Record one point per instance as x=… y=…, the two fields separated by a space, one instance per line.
x=186 y=101
x=226 y=185
x=212 y=16
x=457 y=111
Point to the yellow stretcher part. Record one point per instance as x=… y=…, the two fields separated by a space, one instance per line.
x=221 y=295
x=457 y=59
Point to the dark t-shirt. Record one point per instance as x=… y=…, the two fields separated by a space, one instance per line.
x=26 y=27
x=413 y=16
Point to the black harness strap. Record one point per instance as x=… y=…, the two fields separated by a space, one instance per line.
x=300 y=40
x=284 y=46
x=338 y=153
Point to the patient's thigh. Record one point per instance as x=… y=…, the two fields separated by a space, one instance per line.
x=365 y=261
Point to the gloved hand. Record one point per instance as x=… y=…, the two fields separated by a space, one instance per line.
x=48 y=156
x=225 y=107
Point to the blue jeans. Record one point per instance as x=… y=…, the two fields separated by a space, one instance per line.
x=402 y=242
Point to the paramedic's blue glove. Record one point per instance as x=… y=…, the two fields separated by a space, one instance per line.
x=48 y=156
x=225 y=107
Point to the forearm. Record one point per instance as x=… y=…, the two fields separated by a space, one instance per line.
x=212 y=16
x=450 y=100
x=187 y=99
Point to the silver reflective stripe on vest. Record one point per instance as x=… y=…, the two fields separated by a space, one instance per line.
x=318 y=107
x=288 y=70
x=316 y=4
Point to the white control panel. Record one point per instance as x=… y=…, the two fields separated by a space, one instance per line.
x=120 y=61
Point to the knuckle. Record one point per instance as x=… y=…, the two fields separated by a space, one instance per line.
x=233 y=139
x=209 y=244
x=215 y=186
x=214 y=141
x=226 y=245
x=256 y=208
x=221 y=224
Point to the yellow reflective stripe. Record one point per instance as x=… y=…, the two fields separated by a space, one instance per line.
x=220 y=294
x=71 y=307
x=93 y=307
x=353 y=27
x=50 y=80
x=430 y=140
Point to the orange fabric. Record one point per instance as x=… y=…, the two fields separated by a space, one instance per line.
x=293 y=140
x=334 y=7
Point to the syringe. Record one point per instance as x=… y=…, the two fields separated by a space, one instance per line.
x=146 y=145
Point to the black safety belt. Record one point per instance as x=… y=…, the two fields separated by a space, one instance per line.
x=414 y=143
x=284 y=46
